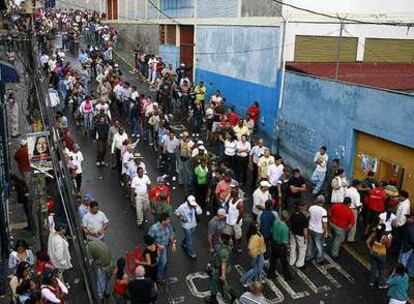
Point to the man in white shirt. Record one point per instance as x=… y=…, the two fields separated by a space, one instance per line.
x=95 y=222
x=260 y=196
x=170 y=145
x=318 y=230
x=140 y=186
x=77 y=160
x=58 y=248
x=318 y=176
x=116 y=147
x=187 y=213
x=274 y=174
x=403 y=209
x=256 y=152
x=353 y=194
x=127 y=159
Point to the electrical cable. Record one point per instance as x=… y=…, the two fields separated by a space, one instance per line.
x=342 y=19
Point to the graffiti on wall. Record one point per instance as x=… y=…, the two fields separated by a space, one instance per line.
x=298 y=135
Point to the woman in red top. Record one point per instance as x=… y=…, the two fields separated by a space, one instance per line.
x=121 y=281
x=254 y=111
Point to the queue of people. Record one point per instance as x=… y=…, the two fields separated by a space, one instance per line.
x=219 y=164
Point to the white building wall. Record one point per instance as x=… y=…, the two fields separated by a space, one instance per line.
x=385 y=8
x=361 y=31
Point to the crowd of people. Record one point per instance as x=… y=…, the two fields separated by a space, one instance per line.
x=221 y=165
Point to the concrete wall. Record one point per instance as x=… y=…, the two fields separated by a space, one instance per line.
x=99 y=5
x=132 y=34
x=260 y=8
x=319 y=112
x=217 y=8
x=241 y=61
x=170 y=54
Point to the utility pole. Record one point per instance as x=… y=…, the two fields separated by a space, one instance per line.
x=338 y=50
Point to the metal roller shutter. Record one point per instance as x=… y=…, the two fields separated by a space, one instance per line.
x=324 y=49
x=389 y=50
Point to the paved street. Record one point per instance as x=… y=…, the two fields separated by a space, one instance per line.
x=340 y=281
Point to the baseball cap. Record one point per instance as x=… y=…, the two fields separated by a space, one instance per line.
x=23 y=142
x=200 y=142
x=88 y=197
x=222 y=212
x=234 y=184
x=265 y=184
x=191 y=200
x=201 y=148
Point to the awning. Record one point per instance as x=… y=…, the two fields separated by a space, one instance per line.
x=8 y=72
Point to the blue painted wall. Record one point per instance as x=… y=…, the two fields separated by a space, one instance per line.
x=241 y=61
x=319 y=112
x=170 y=54
x=216 y=8
x=178 y=8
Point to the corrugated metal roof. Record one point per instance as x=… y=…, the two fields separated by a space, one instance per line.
x=390 y=76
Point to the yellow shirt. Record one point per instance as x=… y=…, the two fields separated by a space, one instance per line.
x=264 y=162
x=256 y=246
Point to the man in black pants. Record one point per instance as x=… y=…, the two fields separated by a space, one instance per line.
x=280 y=243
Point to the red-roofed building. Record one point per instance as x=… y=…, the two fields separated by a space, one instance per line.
x=389 y=76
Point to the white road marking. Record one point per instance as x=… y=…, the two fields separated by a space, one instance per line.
x=189 y=280
x=310 y=284
x=332 y=265
x=279 y=295
x=293 y=294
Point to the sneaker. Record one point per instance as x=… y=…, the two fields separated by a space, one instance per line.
x=245 y=285
x=174 y=178
x=371 y=284
x=98 y=164
x=207 y=213
x=133 y=134
x=383 y=287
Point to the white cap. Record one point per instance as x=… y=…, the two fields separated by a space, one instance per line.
x=202 y=148
x=265 y=184
x=200 y=142
x=191 y=200
x=23 y=142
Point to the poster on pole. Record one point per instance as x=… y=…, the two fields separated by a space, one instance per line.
x=39 y=153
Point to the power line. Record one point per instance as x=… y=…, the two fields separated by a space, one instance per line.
x=341 y=19
x=161 y=12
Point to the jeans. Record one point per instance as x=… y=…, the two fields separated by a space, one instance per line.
x=338 y=235
x=377 y=269
x=315 y=244
x=188 y=242
x=162 y=263
x=185 y=172
x=28 y=210
x=254 y=274
x=136 y=126
x=103 y=282
x=170 y=167
x=317 y=178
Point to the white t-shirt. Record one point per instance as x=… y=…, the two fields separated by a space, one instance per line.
x=274 y=173
x=323 y=160
x=259 y=199
x=244 y=147
x=317 y=215
x=353 y=193
x=256 y=153
x=140 y=185
x=388 y=223
x=127 y=160
x=77 y=159
x=230 y=147
x=94 y=223
x=402 y=209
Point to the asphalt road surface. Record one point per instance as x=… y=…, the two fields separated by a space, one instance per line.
x=344 y=280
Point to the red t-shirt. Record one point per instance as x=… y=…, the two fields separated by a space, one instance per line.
x=254 y=112
x=233 y=118
x=156 y=191
x=341 y=215
x=376 y=199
